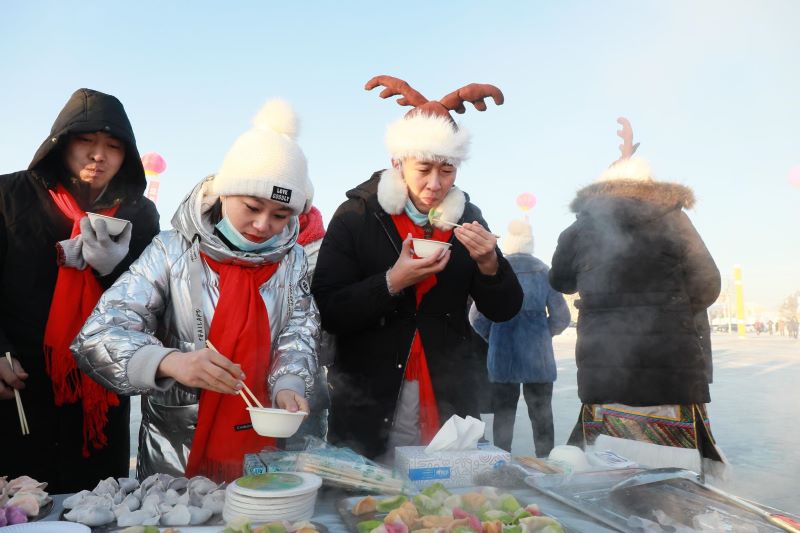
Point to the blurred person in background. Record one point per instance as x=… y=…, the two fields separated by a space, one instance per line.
x=521 y=349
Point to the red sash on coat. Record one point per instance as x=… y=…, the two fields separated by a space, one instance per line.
x=240 y=330
x=75 y=296
x=417 y=367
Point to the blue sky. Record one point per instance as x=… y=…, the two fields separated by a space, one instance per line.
x=711 y=88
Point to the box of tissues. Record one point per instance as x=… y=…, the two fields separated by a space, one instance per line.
x=452 y=458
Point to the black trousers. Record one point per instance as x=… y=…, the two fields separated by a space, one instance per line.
x=538 y=397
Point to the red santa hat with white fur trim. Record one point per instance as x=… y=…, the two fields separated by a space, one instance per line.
x=428 y=131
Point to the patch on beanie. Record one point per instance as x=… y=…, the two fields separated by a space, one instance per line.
x=281 y=194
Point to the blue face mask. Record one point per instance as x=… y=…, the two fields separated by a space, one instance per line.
x=419 y=219
x=238 y=240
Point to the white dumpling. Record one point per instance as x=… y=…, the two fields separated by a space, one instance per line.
x=74 y=500
x=201 y=485
x=198 y=515
x=179 y=484
x=178 y=516
x=150 y=504
x=119 y=496
x=148 y=482
x=214 y=501
x=171 y=496
x=91 y=516
x=184 y=498
x=155 y=491
x=106 y=487
x=137 y=518
x=95 y=501
x=132 y=502
x=128 y=484
x=164 y=480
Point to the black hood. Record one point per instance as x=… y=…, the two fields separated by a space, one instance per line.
x=89 y=111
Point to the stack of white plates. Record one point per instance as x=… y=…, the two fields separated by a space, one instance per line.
x=269 y=497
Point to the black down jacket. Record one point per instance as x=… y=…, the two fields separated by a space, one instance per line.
x=645 y=280
x=374 y=330
x=30 y=226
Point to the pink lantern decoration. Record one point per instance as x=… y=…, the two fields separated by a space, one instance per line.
x=153 y=164
x=526 y=201
x=794 y=176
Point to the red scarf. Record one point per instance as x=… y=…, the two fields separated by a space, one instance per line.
x=74 y=298
x=240 y=329
x=417 y=366
x=311 y=227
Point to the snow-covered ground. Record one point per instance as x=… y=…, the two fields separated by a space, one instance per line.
x=755 y=414
x=754 y=411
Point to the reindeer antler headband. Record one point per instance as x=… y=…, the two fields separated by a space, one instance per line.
x=428 y=131
x=627 y=167
x=627 y=148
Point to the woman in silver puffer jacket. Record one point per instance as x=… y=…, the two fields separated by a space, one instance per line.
x=149 y=317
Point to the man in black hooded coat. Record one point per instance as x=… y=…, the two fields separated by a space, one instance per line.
x=31 y=226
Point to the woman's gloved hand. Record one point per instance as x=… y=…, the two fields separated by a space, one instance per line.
x=100 y=251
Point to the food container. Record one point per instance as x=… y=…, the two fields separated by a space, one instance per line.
x=427 y=247
x=115 y=226
x=278 y=423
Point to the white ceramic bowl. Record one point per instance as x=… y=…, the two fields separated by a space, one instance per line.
x=278 y=423
x=427 y=247
x=114 y=225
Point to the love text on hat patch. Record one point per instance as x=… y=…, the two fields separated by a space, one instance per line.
x=281 y=194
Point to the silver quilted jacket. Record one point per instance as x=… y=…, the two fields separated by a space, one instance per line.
x=147 y=314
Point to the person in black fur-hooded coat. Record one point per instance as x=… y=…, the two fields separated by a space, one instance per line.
x=645 y=280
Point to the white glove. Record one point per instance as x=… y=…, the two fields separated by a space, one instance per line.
x=70 y=253
x=99 y=249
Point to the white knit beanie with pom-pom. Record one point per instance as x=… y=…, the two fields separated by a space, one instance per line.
x=266 y=161
x=519 y=239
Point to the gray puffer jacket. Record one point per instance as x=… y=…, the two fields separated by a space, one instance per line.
x=148 y=313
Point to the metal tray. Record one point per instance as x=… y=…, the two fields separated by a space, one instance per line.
x=345 y=506
x=679 y=498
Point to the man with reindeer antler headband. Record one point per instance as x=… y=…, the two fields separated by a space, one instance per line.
x=404 y=362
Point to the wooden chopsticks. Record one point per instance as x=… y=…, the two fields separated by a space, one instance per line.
x=23 y=420
x=246 y=388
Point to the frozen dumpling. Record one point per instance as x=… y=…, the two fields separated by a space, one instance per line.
x=178 y=516
x=137 y=518
x=214 y=501
x=91 y=516
x=198 y=515
x=128 y=484
x=27 y=502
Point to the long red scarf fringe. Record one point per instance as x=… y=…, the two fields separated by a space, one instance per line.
x=417 y=367
x=240 y=329
x=75 y=296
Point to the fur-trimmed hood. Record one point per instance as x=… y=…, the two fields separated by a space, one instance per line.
x=393 y=195
x=640 y=199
